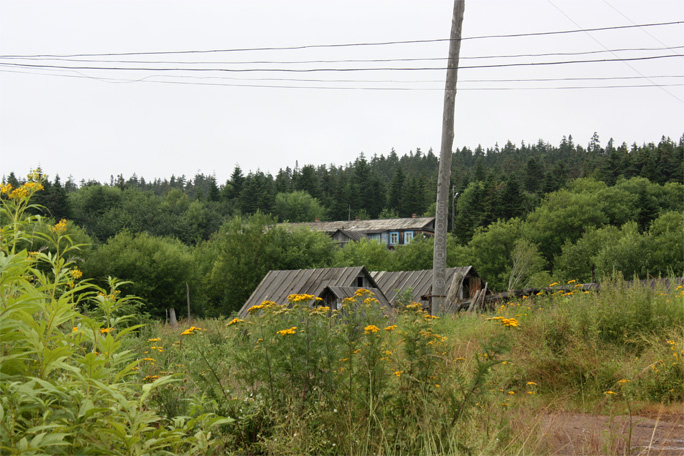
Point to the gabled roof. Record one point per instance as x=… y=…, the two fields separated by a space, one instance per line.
x=276 y=286
x=420 y=281
x=412 y=223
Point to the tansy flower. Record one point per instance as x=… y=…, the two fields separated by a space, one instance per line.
x=553 y=284
x=106 y=330
x=285 y=332
x=74 y=329
x=610 y=393
x=391 y=328
x=623 y=381
x=235 y=321
x=572 y=281
x=532 y=383
x=371 y=329
x=156 y=339
x=398 y=373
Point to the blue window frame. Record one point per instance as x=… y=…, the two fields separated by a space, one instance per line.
x=408 y=236
x=394 y=237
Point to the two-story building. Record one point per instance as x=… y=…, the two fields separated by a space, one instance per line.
x=391 y=232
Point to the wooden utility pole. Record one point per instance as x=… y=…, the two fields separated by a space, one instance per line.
x=444 y=179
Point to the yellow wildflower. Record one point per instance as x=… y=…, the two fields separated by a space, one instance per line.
x=391 y=328
x=300 y=297
x=398 y=373
x=74 y=329
x=76 y=273
x=371 y=329
x=150 y=378
x=610 y=393
x=60 y=227
x=532 y=383
x=149 y=359
x=106 y=330
x=553 y=284
x=5 y=188
x=156 y=339
x=191 y=330
x=285 y=332
x=623 y=381
x=572 y=281
x=511 y=393
x=235 y=321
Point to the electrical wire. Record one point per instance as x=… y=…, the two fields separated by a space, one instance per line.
x=300 y=62
x=281 y=86
x=382 y=43
x=625 y=61
x=316 y=70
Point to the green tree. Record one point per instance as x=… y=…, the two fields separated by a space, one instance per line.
x=298 y=206
x=374 y=255
x=158 y=269
x=241 y=253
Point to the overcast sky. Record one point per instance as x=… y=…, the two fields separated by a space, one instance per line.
x=91 y=124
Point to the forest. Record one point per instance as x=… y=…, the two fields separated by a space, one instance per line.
x=566 y=212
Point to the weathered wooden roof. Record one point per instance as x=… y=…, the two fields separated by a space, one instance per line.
x=276 y=286
x=420 y=281
x=413 y=223
x=353 y=235
x=349 y=292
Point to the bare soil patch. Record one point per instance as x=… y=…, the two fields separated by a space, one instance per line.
x=650 y=433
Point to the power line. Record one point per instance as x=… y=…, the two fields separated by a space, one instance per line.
x=374 y=88
x=381 y=43
x=315 y=70
x=301 y=62
x=625 y=61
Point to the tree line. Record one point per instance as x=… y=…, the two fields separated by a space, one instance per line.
x=563 y=212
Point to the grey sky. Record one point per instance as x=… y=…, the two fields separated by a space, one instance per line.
x=71 y=124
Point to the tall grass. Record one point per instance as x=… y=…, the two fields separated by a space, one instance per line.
x=301 y=379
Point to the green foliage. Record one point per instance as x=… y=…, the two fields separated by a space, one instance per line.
x=67 y=386
x=297 y=206
x=157 y=269
x=243 y=251
x=372 y=254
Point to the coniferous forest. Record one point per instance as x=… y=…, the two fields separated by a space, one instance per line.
x=566 y=211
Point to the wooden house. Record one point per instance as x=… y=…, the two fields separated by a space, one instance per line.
x=391 y=232
x=330 y=284
x=464 y=286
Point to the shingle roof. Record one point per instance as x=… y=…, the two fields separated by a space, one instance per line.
x=421 y=281
x=276 y=286
x=415 y=223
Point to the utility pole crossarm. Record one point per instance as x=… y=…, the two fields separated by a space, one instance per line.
x=444 y=178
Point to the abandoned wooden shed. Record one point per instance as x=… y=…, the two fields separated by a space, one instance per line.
x=330 y=284
x=463 y=286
